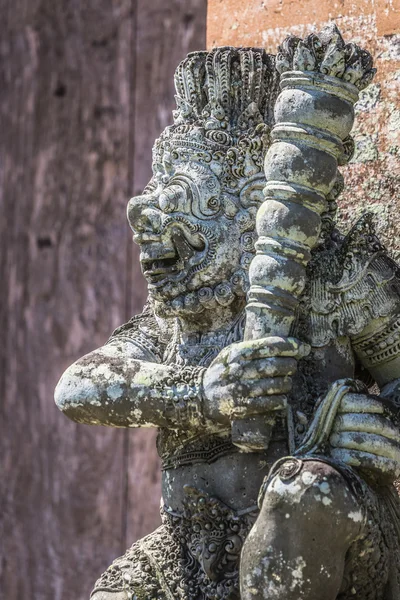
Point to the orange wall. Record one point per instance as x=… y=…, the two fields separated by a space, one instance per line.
x=373 y=176
x=257 y=22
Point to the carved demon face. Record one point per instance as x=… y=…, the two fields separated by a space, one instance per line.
x=196 y=238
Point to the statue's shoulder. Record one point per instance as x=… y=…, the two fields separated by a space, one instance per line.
x=353 y=280
x=144 y=331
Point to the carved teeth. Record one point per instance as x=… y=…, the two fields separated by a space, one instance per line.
x=161 y=266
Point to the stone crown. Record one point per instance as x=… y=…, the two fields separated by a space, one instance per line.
x=225 y=100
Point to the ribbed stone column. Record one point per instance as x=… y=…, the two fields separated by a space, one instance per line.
x=320 y=80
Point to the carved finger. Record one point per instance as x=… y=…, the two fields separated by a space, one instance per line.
x=366 y=424
x=269 y=367
x=267 y=386
x=235 y=371
x=269 y=347
x=369 y=462
x=360 y=403
x=260 y=405
x=366 y=442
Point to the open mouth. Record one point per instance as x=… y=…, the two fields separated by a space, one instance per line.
x=158 y=268
x=160 y=262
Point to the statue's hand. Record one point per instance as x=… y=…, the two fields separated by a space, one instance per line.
x=365 y=436
x=251 y=377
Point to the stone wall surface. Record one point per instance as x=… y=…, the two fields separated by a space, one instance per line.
x=373 y=176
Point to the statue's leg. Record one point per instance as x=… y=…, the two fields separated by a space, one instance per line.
x=141 y=573
x=129 y=577
x=296 y=550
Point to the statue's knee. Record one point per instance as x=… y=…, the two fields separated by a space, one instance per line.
x=311 y=492
x=302 y=504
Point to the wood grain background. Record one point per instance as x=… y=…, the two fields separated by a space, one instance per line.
x=85 y=87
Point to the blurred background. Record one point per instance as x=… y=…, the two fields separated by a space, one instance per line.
x=85 y=88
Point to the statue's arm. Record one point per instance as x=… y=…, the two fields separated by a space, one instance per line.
x=113 y=386
x=367 y=432
x=363 y=429
x=123 y=384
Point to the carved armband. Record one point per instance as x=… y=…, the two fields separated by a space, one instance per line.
x=183 y=397
x=379 y=351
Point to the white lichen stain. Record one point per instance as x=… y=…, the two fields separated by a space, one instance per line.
x=102 y=371
x=75 y=391
x=291 y=489
x=324 y=487
x=252 y=590
x=368 y=98
x=308 y=478
x=115 y=391
x=355 y=516
x=297 y=574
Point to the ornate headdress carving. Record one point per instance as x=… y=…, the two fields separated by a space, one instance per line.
x=224 y=113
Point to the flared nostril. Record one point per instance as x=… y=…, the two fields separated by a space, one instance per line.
x=133 y=212
x=141 y=217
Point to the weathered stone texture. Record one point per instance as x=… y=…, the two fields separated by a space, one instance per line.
x=373 y=176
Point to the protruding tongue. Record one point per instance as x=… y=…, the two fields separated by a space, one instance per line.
x=186 y=243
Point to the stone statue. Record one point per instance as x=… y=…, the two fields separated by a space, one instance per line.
x=256 y=354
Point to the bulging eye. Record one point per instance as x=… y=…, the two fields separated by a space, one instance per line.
x=172 y=199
